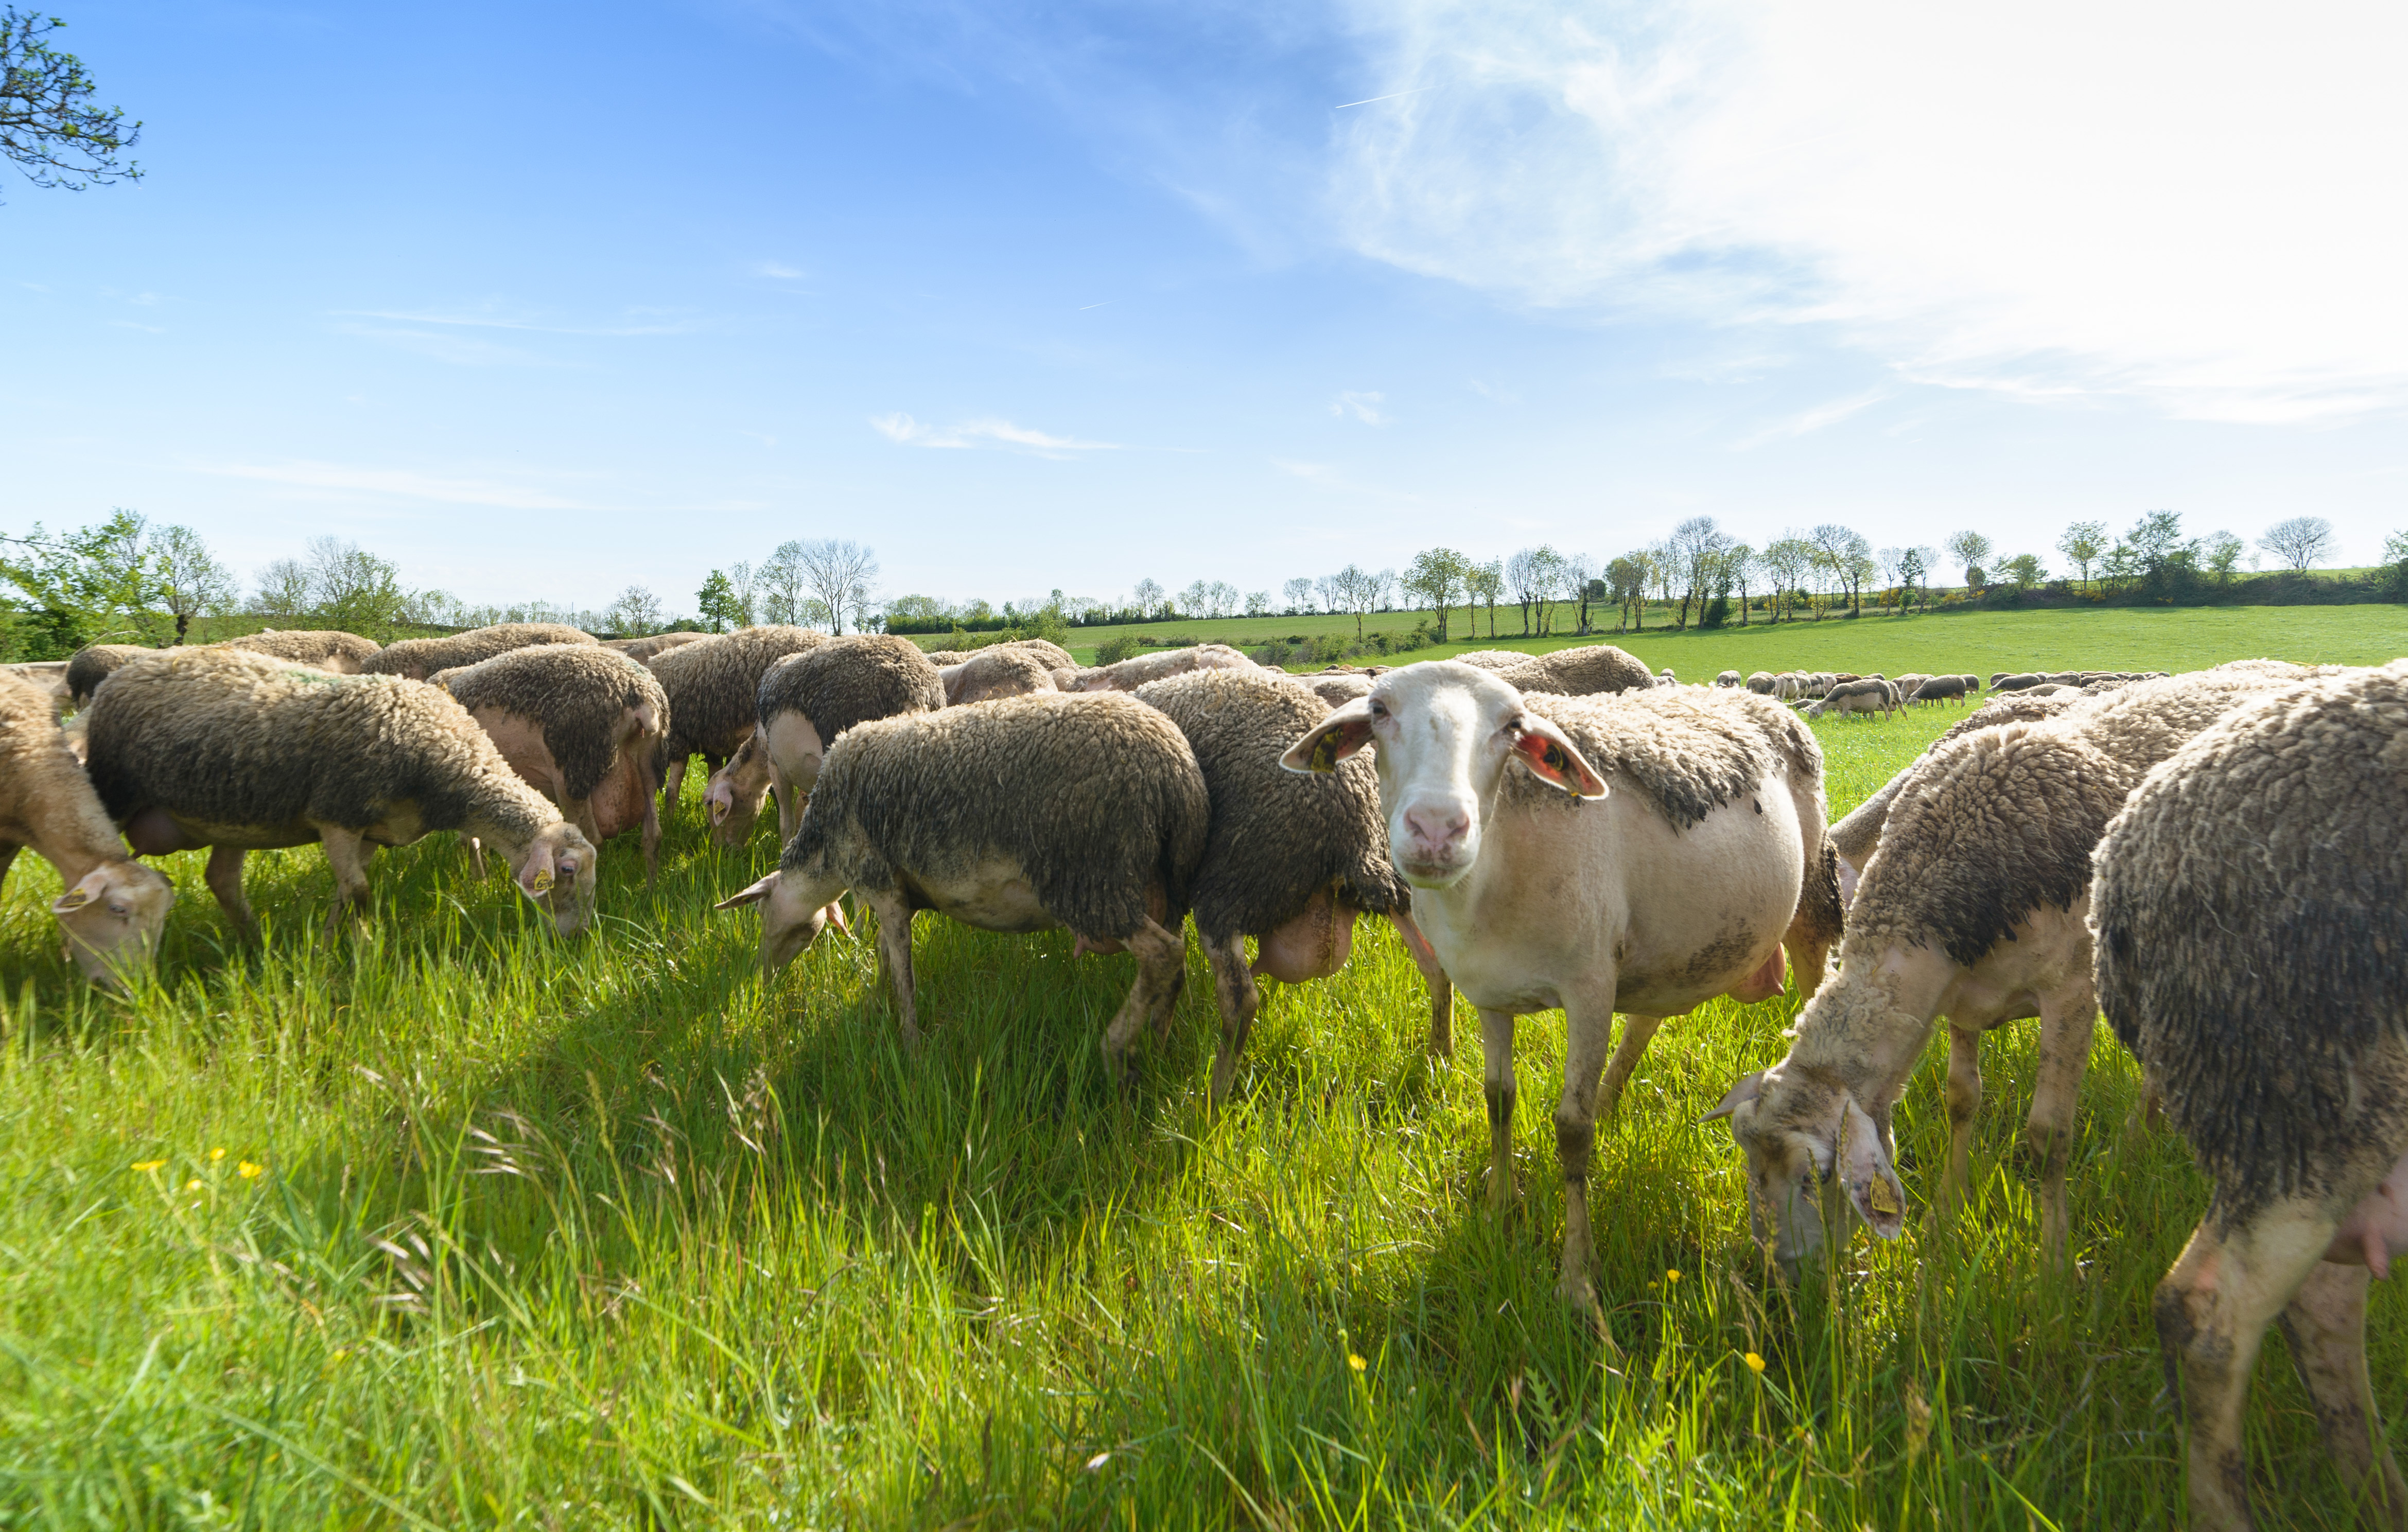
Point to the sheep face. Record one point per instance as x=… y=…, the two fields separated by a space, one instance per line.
x=558 y=874
x=111 y=919
x=1445 y=733
x=1799 y=1136
x=737 y=790
x=795 y=910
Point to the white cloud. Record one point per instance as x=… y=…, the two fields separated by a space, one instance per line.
x=778 y=271
x=129 y=324
x=1807 y=421
x=905 y=431
x=2188 y=205
x=401 y=482
x=1362 y=406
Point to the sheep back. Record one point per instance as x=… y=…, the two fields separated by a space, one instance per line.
x=578 y=693
x=419 y=658
x=846 y=682
x=1005 y=671
x=330 y=648
x=2251 y=914
x=1096 y=797
x=1688 y=751
x=88 y=667
x=1591 y=670
x=713 y=686
x=40 y=779
x=1278 y=837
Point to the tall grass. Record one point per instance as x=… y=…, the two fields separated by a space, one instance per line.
x=611 y=1232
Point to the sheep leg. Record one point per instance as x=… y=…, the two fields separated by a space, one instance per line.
x=1160 y=971
x=580 y=812
x=2067 y=1024
x=2326 y=1326
x=651 y=840
x=347 y=854
x=893 y=914
x=1441 y=989
x=1590 y=1028
x=224 y=876
x=1240 y=1000
x=2213 y=1309
x=1497 y=1084
x=1637 y=1031
x=790 y=808
x=1964 y=1105
x=673 y=783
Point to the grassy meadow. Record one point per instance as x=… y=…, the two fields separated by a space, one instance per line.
x=444 y=1222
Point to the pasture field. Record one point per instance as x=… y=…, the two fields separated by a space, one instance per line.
x=442 y=1222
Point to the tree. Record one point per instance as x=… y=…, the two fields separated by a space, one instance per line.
x=840 y=573
x=2024 y=571
x=2219 y=553
x=1436 y=574
x=47 y=123
x=1259 y=603
x=784 y=585
x=1299 y=593
x=1487 y=582
x=1970 y=549
x=1626 y=582
x=190 y=580
x=283 y=590
x=93 y=585
x=716 y=602
x=2299 y=541
x=1740 y=569
x=354 y=589
x=1692 y=551
x=1149 y=596
x=1911 y=566
x=2083 y=543
x=1786 y=559
x=1581 y=575
x=1845 y=553
x=634 y=613
x=743 y=588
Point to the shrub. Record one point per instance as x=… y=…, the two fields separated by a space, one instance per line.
x=1119 y=647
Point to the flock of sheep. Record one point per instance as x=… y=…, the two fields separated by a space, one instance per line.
x=2214 y=856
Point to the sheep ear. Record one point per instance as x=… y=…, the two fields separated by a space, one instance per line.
x=1346 y=730
x=94 y=884
x=1552 y=758
x=536 y=878
x=753 y=894
x=1747 y=1090
x=1873 y=1188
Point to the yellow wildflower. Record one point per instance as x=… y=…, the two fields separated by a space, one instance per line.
x=1356 y=1362
x=1755 y=1363
x=1673 y=1276
x=145 y=1167
x=193 y=1184
x=247 y=1170
x=216 y=1155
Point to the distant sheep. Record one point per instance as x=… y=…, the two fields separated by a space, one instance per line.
x=419 y=658
x=712 y=685
x=1130 y=674
x=328 y=649
x=1940 y=689
x=1000 y=671
x=1856 y=697
x=652 y=644
x=804 y=704
x=1729 y=678
x=88 y=667
x=1590 y=670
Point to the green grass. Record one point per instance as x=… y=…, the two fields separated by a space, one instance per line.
x=613 y=1233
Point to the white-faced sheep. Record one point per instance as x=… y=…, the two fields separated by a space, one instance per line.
x=1877 y=697
x=804 y=704
x=1973 y=906
x=1729 y=678
x=1291 y=860
x=2251 y=914
x=712 y=685
x=1019 y=815
x=1130 y=674
x=582 y=726
x=419 y=658
x=1000 y=671
x=113 y=907
x=242 y=752
x=1538 y=890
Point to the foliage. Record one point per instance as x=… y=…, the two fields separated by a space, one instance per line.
x=717 y=603
x=1123 y=646
x=636 y=613
x=97 y=585
x=47 y=123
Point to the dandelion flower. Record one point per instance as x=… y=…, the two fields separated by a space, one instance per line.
x=1755 y=1363
x=193 y=1184
x=1673 y=1276
x=247 y=1170
x=145 y=1167
x=1356 y=1362
x=216 y=1155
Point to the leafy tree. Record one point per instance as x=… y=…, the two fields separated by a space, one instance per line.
x=1625 y=583
x=1970 y=549
x=1436 y=575
x=353 y=588
x=634 y=613
x=1259 y=603
x=283 y=590
x=716 y=601
x=1693 y=549
x=2219 y=553
x=2024 y=571
x=190 y=580
x=1910 y=567
x=47 y=123
x=97 y=584
x=1846 y=555
x=1486 y=583
x=1786 y=560
x=1149 y=597
x=2299 y=541
x=2083 y=543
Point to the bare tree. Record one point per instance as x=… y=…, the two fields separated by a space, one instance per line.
x=1259 y=603
x=1300 y=594
x=840 y=574
x=2299 y=541
x=1148 y=595
x=191 y=582
x=283 y=590
x=1488 y=582
x=634 y=613
x=1742 y=569
x=784 y=586
x=1332 y=591
x=745 y=593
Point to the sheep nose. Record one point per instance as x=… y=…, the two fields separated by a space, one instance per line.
x=1437 y=827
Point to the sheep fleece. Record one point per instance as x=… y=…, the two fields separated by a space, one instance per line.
x=419 y=658
x=1689 y=750
x=713 y=686
x=848 y=681
x=575 y=693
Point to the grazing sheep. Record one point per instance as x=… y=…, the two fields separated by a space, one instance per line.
x=1666 y=678
x=582 y=726
x=1130 y=674
x=419 y=658
x=1763 y=683
x=113 y=906
x=652 y=644
x=1002 y=670
x=2251 y=915
x=1020 y=815
x=1339 y=690
x=1538 y=890
x=804 y=704
x=2015 y=682
x=1786 y=686
x=1940 y=689
x=88 y=667
x=712 y=685
x=1589 y=670
x=1290 y=859
x=242 y=752
x=1856 y=697
x=49 y=677
x=1728 y=679
x=328 y=649
x=1973 y=906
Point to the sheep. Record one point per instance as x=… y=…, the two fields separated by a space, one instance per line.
x=419 y=658
x=1685 y=884
x=1762 y=682
x=653 y=643
x=1290 y=860
x=943 y=657
x=1339 y=690
x=712 y=685
x=1972 y=906
x=2015 y=682
x=1666 y=678
x=1130 y=674
x=88 y=667
x=1786 y=686
x=1019 y=815
x=1002 y=670
x=113 y=907
x=243 y=752
x=581 y=724
x=49 y=677
x=1856 y=697
x=2250 y=917
x=1728 y=679
x=1940 y=689
x=328 y=649
x=804 y=704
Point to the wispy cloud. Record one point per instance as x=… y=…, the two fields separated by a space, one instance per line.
x=129 y=324
x=1807 y=421
x=398 y=482
x=778 y=271
x=1362 y=406
x=1494 y=392
x=905 y=431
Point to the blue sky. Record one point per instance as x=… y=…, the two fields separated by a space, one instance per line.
x=543 y=299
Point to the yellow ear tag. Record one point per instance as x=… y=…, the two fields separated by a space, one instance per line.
x=74 y=898
x=543 y=881
x=1882 y=1198
x=1324 y=752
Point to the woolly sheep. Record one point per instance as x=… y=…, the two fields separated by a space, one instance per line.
x=2015 y=682
x=1289 y=859
x=2251 y=924
x=804 y=704
x=1973 y=906
x=1856 y=697
x=243 y=752
x=712 y=685
x=1339 y=690
x=1728 y=679
x=1019 y=815
x=1666 y=678
x=1588 y=670
x=581 y=724
x=88 y=667
x=328 y=649
x=1130 y=674
x=419 y=658
x=113 y=907
x=943 y=657
x=1000 y=671
x=653 y=643
x=1940 y=689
